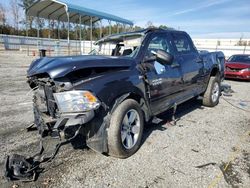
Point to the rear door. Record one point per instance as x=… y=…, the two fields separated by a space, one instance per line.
x=191 y=63
x=165 y=81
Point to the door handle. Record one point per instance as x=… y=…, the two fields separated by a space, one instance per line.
x=175 y=65
x=198 y=60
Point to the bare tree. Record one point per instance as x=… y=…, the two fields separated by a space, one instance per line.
x=15 y=11
x=24 y=4
x=2 y=18
x=2 y=15
x=149 y=24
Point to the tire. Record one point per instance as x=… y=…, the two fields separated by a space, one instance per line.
x=125 y=130
x=212 y=94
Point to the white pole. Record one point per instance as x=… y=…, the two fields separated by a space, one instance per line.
x=100 y=29
x=80 y=22
x=49 y=28
x=110 y=28
x=91 y=25
x=84 y=38
x=27 y=32
x=109 y=34
x=38 y=34
x=68 y=34
x=124 y=27
x=58 y=32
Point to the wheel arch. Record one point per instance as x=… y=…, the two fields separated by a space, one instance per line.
x=215 y=71
x=138 y=98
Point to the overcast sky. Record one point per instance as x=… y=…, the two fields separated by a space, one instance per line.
x=201 y=18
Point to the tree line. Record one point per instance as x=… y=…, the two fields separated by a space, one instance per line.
x=16 y=24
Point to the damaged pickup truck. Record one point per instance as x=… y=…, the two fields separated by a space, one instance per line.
x=106 y=99
x=111 y=97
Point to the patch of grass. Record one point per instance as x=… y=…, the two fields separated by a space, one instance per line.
x=246 y=158
x=231 y=176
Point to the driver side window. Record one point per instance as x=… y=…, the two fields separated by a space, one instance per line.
x=159 y=42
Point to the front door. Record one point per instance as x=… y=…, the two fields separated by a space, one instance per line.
x=165 y=81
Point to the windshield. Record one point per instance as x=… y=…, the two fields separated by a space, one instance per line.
x=119 y=46
x=240 y=58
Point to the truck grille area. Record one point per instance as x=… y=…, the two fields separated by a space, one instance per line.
x=50 y=101
x=44 y=100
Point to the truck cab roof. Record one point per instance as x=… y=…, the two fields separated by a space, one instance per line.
x=142 y=32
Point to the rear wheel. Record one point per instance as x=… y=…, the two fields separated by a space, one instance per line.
x=125 y=130
x=212 y=94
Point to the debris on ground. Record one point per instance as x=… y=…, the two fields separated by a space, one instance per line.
x=204 y=165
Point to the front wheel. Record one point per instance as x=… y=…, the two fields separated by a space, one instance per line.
x=212 y=94
x=126 y=129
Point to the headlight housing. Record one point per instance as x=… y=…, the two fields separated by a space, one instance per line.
x=245 y=70
x=76 y=101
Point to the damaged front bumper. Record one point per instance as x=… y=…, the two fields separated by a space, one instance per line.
x=68 y=120
x=88 y=126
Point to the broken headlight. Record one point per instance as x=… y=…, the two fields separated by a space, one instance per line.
x=76 y=101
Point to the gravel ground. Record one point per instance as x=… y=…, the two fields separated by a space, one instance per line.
x=193 y=153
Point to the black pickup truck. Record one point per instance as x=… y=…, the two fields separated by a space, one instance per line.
x=108 y=97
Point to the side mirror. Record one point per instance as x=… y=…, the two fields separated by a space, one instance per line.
x=163 y=57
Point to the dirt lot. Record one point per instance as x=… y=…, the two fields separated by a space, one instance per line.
x=170 y=156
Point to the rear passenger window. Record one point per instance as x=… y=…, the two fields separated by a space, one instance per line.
x=183 y=44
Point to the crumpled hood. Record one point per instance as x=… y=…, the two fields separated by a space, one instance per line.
x=57 y=67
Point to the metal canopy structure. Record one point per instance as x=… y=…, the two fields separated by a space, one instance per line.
x=57 y=10
x=66 y=12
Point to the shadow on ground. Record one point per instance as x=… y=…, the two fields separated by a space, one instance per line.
x=166 y=118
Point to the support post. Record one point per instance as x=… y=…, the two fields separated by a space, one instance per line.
x=37 y=28
x=124 y=27
x=84 y=39
x=26 y=25
x=91 y=34
x=100 y=29
x=117 y=27
x=68 y=34
x=49 y=49
x=80 y=28
x=110 y=27
x=109 y=34
x=49 y=28
x=76 y=38
x=27 y=32
x=38 y=35
x=58 y=32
